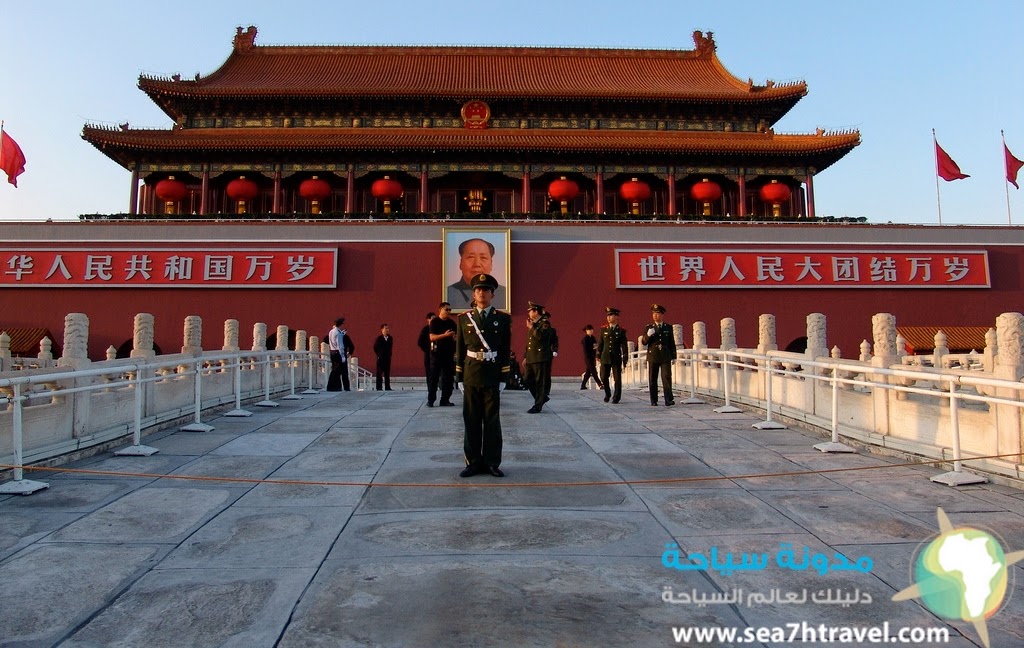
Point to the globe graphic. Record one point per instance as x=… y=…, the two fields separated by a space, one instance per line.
x=962 y=575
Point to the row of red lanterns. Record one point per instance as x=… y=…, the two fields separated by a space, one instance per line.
x=636 y=191
x=314 y=189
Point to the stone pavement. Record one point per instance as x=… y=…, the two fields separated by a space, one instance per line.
x=528 y=560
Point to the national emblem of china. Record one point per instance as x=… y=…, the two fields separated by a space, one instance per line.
x=475 y=114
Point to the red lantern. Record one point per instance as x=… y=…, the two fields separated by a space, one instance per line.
x=706 y=192
x=635 y=192
x=242 y=190
x=170 y=191
x=563 y=190
x=314 y=190
x=775 y=193
x=387 y=190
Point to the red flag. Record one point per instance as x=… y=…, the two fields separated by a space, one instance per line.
x=947 y=168
x=1013 y=165
x=12 y=160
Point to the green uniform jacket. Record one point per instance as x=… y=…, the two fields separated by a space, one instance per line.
x=661 y=347
x=540 y=343
x=497 y=330
x=612 y=347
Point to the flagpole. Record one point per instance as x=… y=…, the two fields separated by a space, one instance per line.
x=935 y=154
x=1006 y=182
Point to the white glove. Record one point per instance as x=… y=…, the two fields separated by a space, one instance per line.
x=650 y=332
x=554 y=354
x=501 y=387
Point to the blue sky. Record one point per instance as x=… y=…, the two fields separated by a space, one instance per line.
x=893 y=70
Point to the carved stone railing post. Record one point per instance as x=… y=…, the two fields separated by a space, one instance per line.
x=142 y=336
x=5 y=351
x=700 y=336
x=76 y=356
x=1009 y=366
x=281 y=343
x=865 y=351
x=45 y=354
x=259 y=336
x=677 y=336
x=766 y=340
x=883 y=331
x=193 y=335
x=817 y=344
x=940 y=350
x=230 y=336
x=76 y=342
x=728 y=326
x=991 y=349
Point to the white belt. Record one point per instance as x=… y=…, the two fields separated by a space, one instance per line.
x=488 y=356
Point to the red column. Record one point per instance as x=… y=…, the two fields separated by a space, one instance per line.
x=809 y=182
x=276 y=203
x=423 y=192
x=599 y=188
x=350 y=190
x=672 y=191
x=526 y=192
x=133 y=196
x=743 y=194
x=204 y=191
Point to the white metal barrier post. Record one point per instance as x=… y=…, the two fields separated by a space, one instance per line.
x=19 y=486
x=956 y=477
x=291 y=394
x=266 y=402
x=310 y=388
x=197 y=425
x=834 y=445
x=727 y=408
x=693 y=400
x=136 y=449
x=768 y=423
x=238 y=411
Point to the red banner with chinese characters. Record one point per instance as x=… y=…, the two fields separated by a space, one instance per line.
x=234 y=267
x=691 y=267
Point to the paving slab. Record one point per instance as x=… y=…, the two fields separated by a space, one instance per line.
x=340 y=520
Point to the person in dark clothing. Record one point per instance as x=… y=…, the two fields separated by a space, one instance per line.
x=589 y=343
x=423 y=342
x=482 y=360
x=442 y=358
x=382 y=347
x=341 y=347
x=538 y=356
x=661 y=352
x=613 y=350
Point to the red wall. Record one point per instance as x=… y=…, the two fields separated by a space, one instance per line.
x=399 y=282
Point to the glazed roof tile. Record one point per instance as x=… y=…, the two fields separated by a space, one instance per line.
x=473 y=72
x=461 y=139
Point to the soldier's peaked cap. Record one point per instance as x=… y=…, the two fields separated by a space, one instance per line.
x=611 y=311
x=657 y=308
x=534 y=306
x=484 y=281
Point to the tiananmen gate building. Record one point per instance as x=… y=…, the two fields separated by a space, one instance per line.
x=303 y=183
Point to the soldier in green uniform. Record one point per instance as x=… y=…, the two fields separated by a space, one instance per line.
x=613 y=350
x=482 y=346
x=661 y=351
x=538 y=356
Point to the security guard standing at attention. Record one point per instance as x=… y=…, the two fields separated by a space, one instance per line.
x=613 y=349
x=661 y=351
x=538 y=356
x=482 y=347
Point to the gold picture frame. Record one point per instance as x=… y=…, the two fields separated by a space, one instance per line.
x=492 y=257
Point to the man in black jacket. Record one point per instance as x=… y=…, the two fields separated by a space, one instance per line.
x=382 y=347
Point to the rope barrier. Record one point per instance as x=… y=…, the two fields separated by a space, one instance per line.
x=638 y=482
